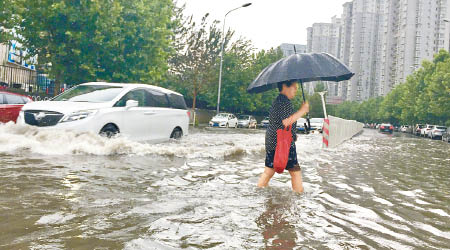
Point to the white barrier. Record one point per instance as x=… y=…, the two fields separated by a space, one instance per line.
x=337 y=130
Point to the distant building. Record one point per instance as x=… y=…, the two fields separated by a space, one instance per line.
x=290 y=49
x=4 y=49
x=325 y=37
x=15 y=70
x=382 y=42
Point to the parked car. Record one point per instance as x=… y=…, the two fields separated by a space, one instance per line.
x=247 y=121
x=406 y=129
x=386 y=127
x=138 y=111
x=265 y=122
x=425 y=129
x=317 y=124
x=437 y=132
x=10 y=105
x=3 y=85
x=446 y=135
x=396 y=128
x=224 y=120
x=418 y=128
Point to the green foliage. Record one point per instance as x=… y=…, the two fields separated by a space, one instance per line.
x=7 y=10
x=85 y=40
x=194 y=67
x=194 y=63
x=423 y=98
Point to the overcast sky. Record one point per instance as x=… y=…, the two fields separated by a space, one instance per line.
x=268 y=23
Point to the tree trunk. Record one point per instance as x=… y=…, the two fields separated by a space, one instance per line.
x=57 y=86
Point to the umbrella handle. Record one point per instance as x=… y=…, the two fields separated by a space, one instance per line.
x=307 y=128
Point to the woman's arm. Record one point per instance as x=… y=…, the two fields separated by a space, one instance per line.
x=297 y=115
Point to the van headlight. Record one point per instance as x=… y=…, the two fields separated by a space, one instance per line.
x=79 y=115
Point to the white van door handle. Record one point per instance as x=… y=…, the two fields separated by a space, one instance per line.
x=149 y=113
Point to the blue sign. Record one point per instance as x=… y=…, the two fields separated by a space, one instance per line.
x=17 y=56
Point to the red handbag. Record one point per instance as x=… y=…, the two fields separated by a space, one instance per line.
x=284 y=140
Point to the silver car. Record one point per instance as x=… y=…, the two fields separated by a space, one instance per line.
x=437 y=132
x=265 y=122
x=246 y=121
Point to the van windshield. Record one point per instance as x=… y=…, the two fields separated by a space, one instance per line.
x=90 y=93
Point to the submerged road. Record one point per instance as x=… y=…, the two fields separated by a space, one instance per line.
x=79 y=191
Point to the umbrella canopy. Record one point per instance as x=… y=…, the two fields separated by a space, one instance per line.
x=304 y=67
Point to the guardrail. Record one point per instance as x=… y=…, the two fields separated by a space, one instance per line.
x=337 y=130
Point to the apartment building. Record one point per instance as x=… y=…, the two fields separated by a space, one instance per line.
x=383 y=41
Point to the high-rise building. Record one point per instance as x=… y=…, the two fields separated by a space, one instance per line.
x=345 y=37
x=363 y=49
x=325 y=37
x=383 y=41
x=415 y=30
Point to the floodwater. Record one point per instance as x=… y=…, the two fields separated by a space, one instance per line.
x=61 y=190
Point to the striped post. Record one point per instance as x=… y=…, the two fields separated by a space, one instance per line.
x=326 y=132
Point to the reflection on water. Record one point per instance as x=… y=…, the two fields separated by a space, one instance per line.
x=81 y=191
x=276 y=230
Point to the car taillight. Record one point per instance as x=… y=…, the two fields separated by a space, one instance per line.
x=382 y=127
x=391 y=127
x=189 y=113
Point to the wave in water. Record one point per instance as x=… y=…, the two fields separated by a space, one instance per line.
x=15 y=138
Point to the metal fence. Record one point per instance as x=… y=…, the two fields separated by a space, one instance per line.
x=26 y=81
x=18 y=78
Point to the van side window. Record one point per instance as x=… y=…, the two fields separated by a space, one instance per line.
x=14 y=99
x=177 y=101
x=137 y=95
x=156 y=99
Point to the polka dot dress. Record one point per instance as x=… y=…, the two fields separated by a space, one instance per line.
x=281 y=109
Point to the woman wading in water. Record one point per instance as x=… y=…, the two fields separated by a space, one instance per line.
x=281 y=115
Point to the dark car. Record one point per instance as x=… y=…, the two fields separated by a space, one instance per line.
x=3 y=85
x=386 y=128
x=10 y=105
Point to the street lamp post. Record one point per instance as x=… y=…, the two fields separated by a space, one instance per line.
x=447 y=21
x=221 y=53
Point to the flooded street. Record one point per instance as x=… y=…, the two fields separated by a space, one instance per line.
x=80 y=191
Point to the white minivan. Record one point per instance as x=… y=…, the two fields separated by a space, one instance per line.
x=137 y=111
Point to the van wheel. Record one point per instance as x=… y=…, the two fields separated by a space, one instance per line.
x=176 y=134
x=109 y=130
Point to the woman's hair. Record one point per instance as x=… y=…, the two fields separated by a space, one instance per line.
x=287 y=83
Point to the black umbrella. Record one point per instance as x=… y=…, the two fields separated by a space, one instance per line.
x=305 y=67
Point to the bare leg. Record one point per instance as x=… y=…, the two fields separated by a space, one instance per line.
x=296 y=179
x=265 y=177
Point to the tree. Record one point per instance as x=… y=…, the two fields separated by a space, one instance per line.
x=438 y=90
x=7 y=10
x=84 y=40
x=194 y=64
x=423 y=98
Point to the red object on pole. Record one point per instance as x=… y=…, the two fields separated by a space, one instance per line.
x=284 y=140
x=326 y=131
